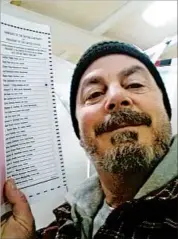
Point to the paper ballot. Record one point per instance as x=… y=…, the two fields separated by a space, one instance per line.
x=30 y=147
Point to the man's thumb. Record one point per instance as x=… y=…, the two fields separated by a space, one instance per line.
x=17 y=199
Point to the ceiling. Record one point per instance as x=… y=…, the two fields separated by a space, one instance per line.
x=98 y=20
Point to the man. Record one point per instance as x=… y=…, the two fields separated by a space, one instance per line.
x=121 y=114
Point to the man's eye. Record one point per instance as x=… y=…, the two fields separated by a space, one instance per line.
x=134 y=85
x=95 y=95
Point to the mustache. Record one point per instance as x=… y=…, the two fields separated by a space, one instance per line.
x=123 y=118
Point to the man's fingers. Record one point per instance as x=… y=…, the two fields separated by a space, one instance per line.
x=21 y=208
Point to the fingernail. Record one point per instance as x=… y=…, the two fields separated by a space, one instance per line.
x=12 y=184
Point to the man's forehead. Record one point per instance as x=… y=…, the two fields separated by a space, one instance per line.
x=112 y=63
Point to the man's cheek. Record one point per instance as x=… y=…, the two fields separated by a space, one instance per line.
x=86 y=122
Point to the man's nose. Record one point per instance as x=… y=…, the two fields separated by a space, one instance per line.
x=117 y=98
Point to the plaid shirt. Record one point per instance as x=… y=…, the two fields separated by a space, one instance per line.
x=154 y=216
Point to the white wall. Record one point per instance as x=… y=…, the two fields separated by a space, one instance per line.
x=169 y=75
x=74 y=156
x=63 y=71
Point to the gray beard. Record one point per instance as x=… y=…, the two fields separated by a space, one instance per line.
x=128 y=156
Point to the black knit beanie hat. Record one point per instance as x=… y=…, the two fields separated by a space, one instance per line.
x=107 y=48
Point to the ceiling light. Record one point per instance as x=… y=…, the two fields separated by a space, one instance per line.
x=160 y=13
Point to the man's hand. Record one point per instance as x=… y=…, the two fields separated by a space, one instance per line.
x=20 y=224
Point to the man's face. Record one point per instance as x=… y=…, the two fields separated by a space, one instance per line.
x=122 y=119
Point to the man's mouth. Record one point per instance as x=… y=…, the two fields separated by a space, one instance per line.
x=123 y=119
x=115 y=126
